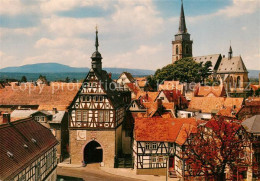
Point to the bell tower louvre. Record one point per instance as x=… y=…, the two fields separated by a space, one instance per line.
x=182 y=45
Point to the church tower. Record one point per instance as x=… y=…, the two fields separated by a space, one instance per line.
x=182 y=45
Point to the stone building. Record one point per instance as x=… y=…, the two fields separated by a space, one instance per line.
x=182 y=45
x=229 y=71
x=96 y=116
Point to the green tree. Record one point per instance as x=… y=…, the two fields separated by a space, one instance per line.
x=152 y=81
x=23 y=79
x=257 y=92
x=67 y=80
x=184 y=70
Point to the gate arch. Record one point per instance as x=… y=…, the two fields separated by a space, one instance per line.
x=93 y=153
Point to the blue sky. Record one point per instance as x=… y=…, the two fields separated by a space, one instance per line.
x=133 y=34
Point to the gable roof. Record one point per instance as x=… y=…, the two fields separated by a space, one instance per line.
x=212 y=58
x=210 y=104
x=129 y=76
x=204 y=91
x=133 y=87
x=174 y=96
x=13 y=137
x=252 y=125
x=160 y=129
x=47 y=97
x=235 y=64
x=147 y=96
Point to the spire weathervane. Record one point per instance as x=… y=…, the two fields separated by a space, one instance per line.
x=96 y=44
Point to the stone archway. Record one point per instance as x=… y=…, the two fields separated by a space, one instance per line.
x=93 y=153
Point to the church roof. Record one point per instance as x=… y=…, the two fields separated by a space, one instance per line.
x=252 y=124
x=213 y=58
x=235 y=64
x=182 y=23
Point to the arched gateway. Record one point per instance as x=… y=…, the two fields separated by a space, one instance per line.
x=93 y=153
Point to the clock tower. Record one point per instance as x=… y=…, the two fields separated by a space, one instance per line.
x=182 y=45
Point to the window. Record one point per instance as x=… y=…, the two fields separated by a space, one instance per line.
x=177 y=49
x=160 y=159
x=37 y=171
x=154 y=146
x=78 y=115
x=101 y=98
x=100 y=116
x=39 y=118
x=187 y=49
x=88 y=98
x=154 y=160
x=84 y=115
x=147 y=146
x=22 y=178
x=96 y=98
x=106 y=116
x=83 y=98
x=171 y=145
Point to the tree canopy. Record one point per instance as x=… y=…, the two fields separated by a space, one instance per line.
x=184 y=70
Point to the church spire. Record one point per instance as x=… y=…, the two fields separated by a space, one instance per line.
x=230 y=53
x=96 y=56
x=96 y=44
x=182 y=24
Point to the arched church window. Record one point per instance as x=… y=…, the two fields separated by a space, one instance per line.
x=177 y=49
x=187 y=49
x=238 y=81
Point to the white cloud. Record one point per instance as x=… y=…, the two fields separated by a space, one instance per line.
x=7 y=60
x=62 y=43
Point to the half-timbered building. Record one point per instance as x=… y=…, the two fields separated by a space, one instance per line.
x=96 y=116
x=154 y=144
x=27 y=151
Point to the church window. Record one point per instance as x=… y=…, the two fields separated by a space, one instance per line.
x=78 y=115
x=177 y=49
x=187 y=49
x=238 y=81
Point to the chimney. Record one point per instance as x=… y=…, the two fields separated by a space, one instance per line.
x=6 y=118
x=159 y=103
x=54 y=110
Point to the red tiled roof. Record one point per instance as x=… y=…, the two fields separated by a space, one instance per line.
x=12 y=139
x=184 y=132
x=209 y=104
x=174 y=96
x=255 y=87
x=160 y=129
x=141 y=81
x=147 y=96
x=133 y=88
x=217 y=91
x=47 y=97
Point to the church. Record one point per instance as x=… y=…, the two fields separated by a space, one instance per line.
x=230 y=71
x=96 y=117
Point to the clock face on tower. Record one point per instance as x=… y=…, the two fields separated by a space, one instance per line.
x=81 y=135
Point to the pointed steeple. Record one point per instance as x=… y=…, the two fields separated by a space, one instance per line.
x=230 y=53
x=96 y=56
x=96 y=44
x=182 y=23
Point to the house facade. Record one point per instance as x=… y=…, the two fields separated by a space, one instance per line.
x=96 y=116
x=30 y=151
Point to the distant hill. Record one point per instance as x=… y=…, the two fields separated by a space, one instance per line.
x=60 y=68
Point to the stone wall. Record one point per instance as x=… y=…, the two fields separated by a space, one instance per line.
x=105 y=138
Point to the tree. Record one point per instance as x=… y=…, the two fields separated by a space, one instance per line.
x=152 y=82
x=216 y=146
x=23 y=79
x=67 y=80
x=257 y=92
x=184 y=70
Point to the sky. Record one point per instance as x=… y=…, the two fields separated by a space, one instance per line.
x=132 y=33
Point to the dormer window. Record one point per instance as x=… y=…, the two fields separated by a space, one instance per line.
x=39 y=118
x=9 y=154
x=34 y=141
